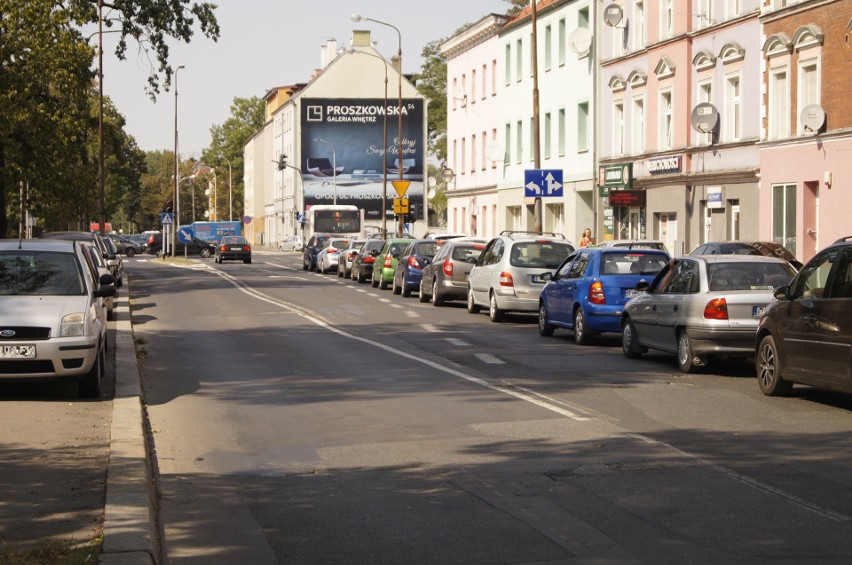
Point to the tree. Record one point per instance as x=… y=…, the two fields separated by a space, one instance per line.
x=516 y=6
x=432 y=83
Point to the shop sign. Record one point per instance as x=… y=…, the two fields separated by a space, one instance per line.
x=714 y=197
x=627 y=198
x=615 y=177
x=665 y=165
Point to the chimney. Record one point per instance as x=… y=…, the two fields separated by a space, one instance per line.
x=361 y=38
x=395 y=64
x=328 y=52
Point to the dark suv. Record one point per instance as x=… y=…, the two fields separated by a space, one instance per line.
x=197 y=247
x=805 y=336
x=312 y=248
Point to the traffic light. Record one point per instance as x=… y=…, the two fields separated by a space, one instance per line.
x=282 y=162
x=169 y=207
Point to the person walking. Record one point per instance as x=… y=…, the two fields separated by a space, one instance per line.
x=586 y=239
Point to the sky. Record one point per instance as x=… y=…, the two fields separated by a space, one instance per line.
x=264 y=44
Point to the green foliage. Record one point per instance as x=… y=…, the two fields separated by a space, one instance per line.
x=516 y=6
x=432 y=83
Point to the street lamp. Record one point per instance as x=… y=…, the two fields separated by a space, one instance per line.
x=333 y=166
x=385 y=146
x=230 y=191
x=177 y=162
x=215 y=196
x=399 y=143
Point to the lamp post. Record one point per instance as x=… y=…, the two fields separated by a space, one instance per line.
x=399 y=144
x=385 y=144
x=177 y=163
x=230 y=191
x=102 y=205
x=333 y=166
x=215 y=197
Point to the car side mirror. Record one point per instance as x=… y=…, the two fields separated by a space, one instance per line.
x=782 y=293
x=547 y=277
x=106 y=279
x=104 y=291
x=643 y=286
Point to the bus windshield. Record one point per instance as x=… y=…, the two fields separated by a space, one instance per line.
x=337 y=221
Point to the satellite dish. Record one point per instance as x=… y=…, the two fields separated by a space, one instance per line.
x=613 y=15
x=812 y=117
x=432 y=181
x=580 y=40
x=494 y=151
x=704 y=117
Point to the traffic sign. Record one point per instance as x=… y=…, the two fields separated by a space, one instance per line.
x=401 y=186
x=167 y=218
x=543 y=182
x=185 y=234
x=400 y=205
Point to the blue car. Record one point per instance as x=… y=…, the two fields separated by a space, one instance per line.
x=409 y=267
x=588 y=291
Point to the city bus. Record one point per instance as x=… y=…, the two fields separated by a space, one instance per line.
x=334 y=219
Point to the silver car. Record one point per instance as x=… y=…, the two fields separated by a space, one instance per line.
x=508 y=275
x=705 y=305
x=445 y=278
x=347 y=256
x=53 y=316
x=329 y=256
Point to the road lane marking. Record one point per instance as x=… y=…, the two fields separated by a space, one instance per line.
x=430 y=328
x=457 y=342
x=490 y=359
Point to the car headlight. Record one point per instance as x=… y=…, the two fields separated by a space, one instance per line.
x=72 y=325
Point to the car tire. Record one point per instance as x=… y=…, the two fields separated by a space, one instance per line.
x=304 y=265
x=130 y=252
x=247 y=261
x=355 y=276
x=630 y=341
x=422 y=296
x=686 y=359
x=90 y=385
x=340 y=272
x=382 y=283
x=494 y=312
x=581 y=334
x=374 y=282
x=768 y=367
x=406 y=292
x=544 y=328
x=204 y=252
x=472 y=306
x=395 y=289
x=437 y=299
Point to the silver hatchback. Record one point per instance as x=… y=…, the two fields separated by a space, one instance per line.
x=699 y=306
x=508 y=275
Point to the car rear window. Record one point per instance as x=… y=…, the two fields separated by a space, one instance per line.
x=632 y=262
x=425 y=249
x=42 y=273
x=748 y=276
x=468 y=253
x=339 y=243
x=539 y=254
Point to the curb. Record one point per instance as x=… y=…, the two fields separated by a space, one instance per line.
x=130 y=535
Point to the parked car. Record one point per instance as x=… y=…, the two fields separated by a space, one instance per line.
x=385 y=261
x=54 y=317
x=114 y=262
x=409 y=267
x=634 y=244
x=292 y=243
x=445 y=278
x=363 y=262
x=196 y=247
x=805 y=336
x=98 y=242
x=347 y=256
x=699 y=306
x=125 y=245
x=233 y=247
x=588 y=292
x=766 y=248
x=329 y=256
x=311 y=249
x=509 y=274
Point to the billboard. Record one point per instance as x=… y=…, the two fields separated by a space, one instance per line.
x=343 y=152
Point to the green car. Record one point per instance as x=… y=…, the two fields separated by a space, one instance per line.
x=386 y=261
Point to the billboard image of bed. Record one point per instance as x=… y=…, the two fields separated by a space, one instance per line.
x=354 y=127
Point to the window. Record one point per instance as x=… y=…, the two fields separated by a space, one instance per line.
x=519 y=148
x=494 y=78
x=733 y=108
x=494 y=142
x=732 y=8
x=482 y=153
x=484 y=81
x=705 y=13
x=705 y=91
x=666 y=19
x=563 y=41
x=666 y=117
x=638 y=125
x=812 y=282
x=455 y=89
x=508 y=64
x=455 y=152
x=473 y=153
x=463 y=154
x=473 y=86
x=779 y=103
x=548 y=47
x=808 y=88
x=638 y=25
x=547 y=135
x=618 y=128
x=784 y=215
x=508 y=138
x=583 y=126
x=560 y=142
x=519 y=59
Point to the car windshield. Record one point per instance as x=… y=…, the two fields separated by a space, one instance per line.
x=738 y=249
x=40 y=273
x=539 y=254
x=748 y=276
x=632 y=262
x=425 y=249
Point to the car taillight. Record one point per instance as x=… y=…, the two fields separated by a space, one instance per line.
x=596 y=293
x=223 y=248
x=388 y=261
x=247 y=248
x=412 y=262
x=369 y=259
x=716 y=309
x=506 y=279
x=447 y=265
x=332 y=250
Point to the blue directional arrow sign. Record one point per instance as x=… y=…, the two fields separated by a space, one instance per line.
x=543 y=182
x=185 y=234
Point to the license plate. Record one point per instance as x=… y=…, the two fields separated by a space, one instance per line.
x=757 y=311
x=18 y=352
x=537 y=279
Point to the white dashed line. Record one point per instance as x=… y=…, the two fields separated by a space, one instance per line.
x=457 y=342
x=488 y=358
x=430 y=328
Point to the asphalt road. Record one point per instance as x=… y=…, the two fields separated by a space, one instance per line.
x=302 y=418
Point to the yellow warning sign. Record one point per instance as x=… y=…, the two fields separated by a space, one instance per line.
x=401 y=186
x=400 y=205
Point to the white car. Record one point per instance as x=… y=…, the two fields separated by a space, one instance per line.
x=329 y=255
x=292 y=243
x=53 y=314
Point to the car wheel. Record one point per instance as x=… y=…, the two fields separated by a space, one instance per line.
x=422 y=296
x=247 y=261
x=90 y=385
x=495 y=313
x=355 y=276
x=581 y=334
x=321 y=268
x=437 y=299
x=304 y=264
x=383 y=284
x=130 y=252
x=472 y=306
x=374 y=282
x=769 y=369
x=686 y=359
x=340 y=272
x=395 y=289
x=406 y=292
x=204 y=252
x=544 y=328
x=630 y=341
